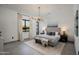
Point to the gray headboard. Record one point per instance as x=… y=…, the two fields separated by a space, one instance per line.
x=53 y=28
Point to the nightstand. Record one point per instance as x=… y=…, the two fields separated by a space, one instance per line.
x=63 y=37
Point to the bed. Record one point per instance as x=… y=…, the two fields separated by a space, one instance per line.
x=51 y=34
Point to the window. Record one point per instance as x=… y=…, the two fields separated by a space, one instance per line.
x=26 y=25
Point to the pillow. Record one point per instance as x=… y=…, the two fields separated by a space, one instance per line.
x=43 y=32
x=51 y=33
x=56 y=33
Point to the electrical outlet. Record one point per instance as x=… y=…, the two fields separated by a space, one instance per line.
x=12 y=37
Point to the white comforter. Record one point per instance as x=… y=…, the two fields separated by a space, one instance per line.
x=52 y=39
x=56 y=37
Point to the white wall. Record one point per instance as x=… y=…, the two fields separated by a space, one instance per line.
x=8 y=24
x=32 y=28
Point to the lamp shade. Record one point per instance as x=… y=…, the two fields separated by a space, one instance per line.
x=63 y=28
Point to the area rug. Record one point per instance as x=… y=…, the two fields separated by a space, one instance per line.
x=56 y=50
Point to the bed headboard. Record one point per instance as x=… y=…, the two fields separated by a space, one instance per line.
x=53 y=28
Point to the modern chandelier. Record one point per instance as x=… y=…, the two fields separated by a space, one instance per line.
x=38 y=18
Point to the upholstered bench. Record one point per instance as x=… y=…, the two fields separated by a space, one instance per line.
x=37 y=40
x=44 y=42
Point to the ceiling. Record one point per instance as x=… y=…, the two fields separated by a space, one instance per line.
x=32 y=9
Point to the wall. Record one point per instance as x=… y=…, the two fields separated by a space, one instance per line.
x=8 y=24
x=32 y=28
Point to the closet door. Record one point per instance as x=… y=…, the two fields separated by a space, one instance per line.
x=76 y=23
x=76 y=33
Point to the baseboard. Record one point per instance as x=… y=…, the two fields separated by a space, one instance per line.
x=10 y=42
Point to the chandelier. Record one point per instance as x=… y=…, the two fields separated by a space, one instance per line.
x=38 y=18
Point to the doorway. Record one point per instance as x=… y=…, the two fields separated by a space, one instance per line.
x=23 y=27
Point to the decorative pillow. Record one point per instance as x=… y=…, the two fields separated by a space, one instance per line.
x=43 y=32
x=51 y=33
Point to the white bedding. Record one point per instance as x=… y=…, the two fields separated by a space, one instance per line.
x=49 y=37
x=52 y=39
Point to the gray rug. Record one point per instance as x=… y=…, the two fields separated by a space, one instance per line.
x=57 y=50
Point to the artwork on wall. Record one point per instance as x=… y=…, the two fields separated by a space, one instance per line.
x=76 y=23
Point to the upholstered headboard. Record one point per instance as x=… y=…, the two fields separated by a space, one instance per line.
x=53 y=28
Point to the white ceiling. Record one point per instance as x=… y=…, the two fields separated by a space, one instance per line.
x=32 y=9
